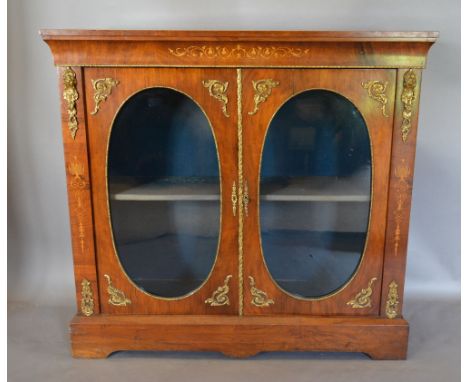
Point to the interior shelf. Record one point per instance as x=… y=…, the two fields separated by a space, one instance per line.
x=167 y=192
x=307 y=189
x=317 y=189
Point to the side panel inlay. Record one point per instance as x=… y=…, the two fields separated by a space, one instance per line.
x=403 y=188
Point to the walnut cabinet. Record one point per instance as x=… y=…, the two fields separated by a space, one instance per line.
x=239 y=191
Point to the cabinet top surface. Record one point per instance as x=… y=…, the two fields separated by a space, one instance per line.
x=229 y=35
x=307 y=49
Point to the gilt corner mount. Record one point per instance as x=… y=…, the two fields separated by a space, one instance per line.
x=102 y=89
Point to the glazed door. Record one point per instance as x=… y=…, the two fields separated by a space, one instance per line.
x=317 y=147
x=163 y=162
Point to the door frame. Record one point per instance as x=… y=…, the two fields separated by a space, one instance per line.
x=263 y=296
x=193 y=82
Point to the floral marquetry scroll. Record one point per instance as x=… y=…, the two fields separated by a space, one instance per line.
x=78 y=185
x=238 y=51
x=77 y=172
x=402 y=173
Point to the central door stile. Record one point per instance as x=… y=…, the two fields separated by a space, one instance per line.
x=240 y=192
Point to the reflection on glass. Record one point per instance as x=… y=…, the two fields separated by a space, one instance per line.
x=164 y=192
x=315 y=193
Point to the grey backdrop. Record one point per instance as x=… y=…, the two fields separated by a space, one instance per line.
x=39 y=258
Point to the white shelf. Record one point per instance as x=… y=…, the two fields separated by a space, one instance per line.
x=316 y=189
x=168 y=192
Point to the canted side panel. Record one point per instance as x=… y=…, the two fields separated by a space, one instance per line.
x=379 y=123
x=74 y=129
x=400 y=189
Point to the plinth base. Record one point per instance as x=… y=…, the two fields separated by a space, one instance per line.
x=100 y=335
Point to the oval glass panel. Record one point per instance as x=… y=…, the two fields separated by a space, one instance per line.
x=315 y=193
x=164 y=192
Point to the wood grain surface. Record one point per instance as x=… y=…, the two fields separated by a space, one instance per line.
x=99 y=336
x=188 y=81
x=239 y=48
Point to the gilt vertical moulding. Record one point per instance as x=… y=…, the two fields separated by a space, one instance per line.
x=243 y=119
